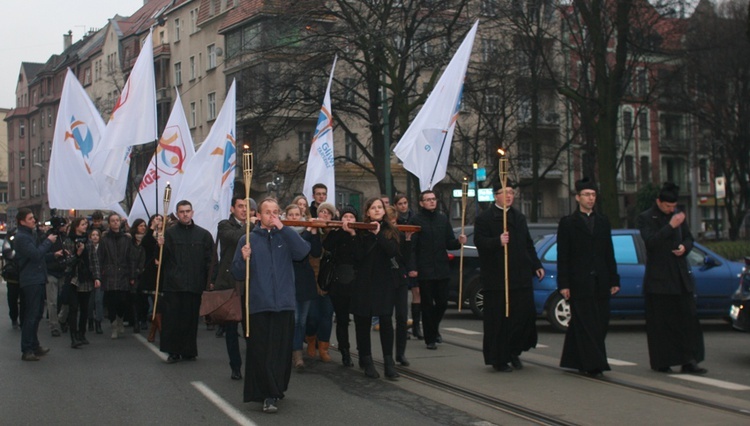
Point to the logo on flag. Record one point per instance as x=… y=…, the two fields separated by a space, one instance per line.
x=230 y=159
x=83 y=140
x=122 y=100
x=171 y=151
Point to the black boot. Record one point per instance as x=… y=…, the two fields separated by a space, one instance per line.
x=369 y=367
x=416 y=317
x=390 y=367
x=98 y=327
x=74 y=342
x=402 y=360
x=346 y=358
x=82 y=337
x=91 y=324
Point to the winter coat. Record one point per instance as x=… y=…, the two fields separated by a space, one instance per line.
x=187 y=258
x=430 y=245
x=377 y=275
x=30 y=254
x=116 y=266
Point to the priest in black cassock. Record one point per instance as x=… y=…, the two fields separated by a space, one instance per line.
x=672 y=327
x=506 y=337
x=587 y=278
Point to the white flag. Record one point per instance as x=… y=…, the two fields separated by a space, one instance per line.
x=425 y=146
x=77 y=135
x=168 y=164
x=209 y=177
x=133 y=119
x=320 y=167
x=132 y=122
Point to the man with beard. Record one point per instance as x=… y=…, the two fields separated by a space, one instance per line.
x=672 y=327
x=587 y=278
x=186 y=261
x=505 y=337
x=268 y=364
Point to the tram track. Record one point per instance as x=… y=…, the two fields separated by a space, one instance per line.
x=637 y=387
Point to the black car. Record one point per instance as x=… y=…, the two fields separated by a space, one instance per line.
x=739 y=312
x=472 y=287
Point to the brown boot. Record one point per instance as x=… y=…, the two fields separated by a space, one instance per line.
x=297 y=362
x=310 y=346
x=323 y=350
x=155 y=325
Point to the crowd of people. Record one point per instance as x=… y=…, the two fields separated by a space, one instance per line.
x=305 y=275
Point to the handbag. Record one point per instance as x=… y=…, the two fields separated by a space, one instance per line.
x=221 y=306
x=327 y=272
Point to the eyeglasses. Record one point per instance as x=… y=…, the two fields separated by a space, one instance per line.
x=588 y=194
x=427 y=200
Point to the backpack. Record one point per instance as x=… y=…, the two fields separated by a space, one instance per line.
x=11 y=270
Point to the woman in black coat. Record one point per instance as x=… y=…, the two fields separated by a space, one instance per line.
x=374 y=293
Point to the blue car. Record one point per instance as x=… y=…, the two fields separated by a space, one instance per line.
x=715 y=278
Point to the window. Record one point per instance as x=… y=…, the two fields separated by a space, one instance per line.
x=489 y=7
x=178 y=73
x=23 y=189
x=49 y=117
x=177 y=29
x=671 y=126
x=643 y=126
x=703 y=171
x=33 y=127
x=627 y=124
x=43 y=185
x=350 y=88
x=629 y=165
x=87 y=76
x=211 y=56
x=212 y=105
x=192 y=68
x=304 y=139
x=41 y=118
x=489 y=47
x=625 y=252
x=351 y=146
x=21 y=130
x=22 y=159
x=641 y=82
x=192 y=114
x=194 y=20
x=491 y=104
x=34 y=189
x=645 y=170
x=33 y=157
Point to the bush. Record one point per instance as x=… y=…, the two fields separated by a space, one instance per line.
x=732 y=250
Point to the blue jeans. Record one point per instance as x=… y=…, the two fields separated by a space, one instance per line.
x=96 y=304
x=34 y=308
x=320 y=318
x=300 y=321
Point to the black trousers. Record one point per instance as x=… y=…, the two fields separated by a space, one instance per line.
x=78 y=302
x=341 y=297
x=402 y=316
x=117 y=303
x=362 y=329
x=434 y=294
x=15 y=301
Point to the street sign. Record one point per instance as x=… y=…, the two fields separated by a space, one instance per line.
x=721 y=191
x=469 y=193
x=481 y=174
x=485 y=195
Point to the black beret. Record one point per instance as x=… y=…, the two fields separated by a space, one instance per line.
x=584 y=184
x=498 y=185
x=348 y=209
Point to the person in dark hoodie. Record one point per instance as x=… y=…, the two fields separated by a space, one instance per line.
x=272 y=249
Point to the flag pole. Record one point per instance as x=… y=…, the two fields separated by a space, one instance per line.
x=440 y=153
x=167 y=196
x=464 y=194
x=247 y=170
x=503 y=171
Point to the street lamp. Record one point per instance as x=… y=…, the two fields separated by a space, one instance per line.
x=475 y=166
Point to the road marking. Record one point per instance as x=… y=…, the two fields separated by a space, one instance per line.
x=222 y=404
x=540 y=346
x=151 y=347
x=462 y=331
x=620 y=363
x=711 y=382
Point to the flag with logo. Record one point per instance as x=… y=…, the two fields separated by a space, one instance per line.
x=132 y=122
x=425 y=146
x=320 y=162
x=77 y=134
x=208 y=181
x=173 y=152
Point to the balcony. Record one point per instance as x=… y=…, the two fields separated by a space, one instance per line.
x=674 y=145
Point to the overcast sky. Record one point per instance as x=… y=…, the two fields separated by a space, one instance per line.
x=32 y=31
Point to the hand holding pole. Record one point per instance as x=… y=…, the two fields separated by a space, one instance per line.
x=464 y=194
x=167 y=196
x=247 y=170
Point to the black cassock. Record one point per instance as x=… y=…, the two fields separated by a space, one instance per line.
x=179 y=325
x=269 y=355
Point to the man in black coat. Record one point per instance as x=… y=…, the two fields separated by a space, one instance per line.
x=672 y=327
x=505 y=337
x=587 y=278
x=185 y=264
x=430 y=263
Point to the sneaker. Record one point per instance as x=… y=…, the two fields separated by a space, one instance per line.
x=29 y=356
x=41 y=351
x=269 y=406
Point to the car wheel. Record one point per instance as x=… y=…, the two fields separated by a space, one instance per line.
x=476 y=297
x=558 y=312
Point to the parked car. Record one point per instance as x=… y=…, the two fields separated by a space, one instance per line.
x=472 y=288
x=739 y=312
x=715 y=277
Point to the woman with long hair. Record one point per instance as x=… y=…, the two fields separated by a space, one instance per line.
x=301 y=202
x=320 y=317
x=96 y=303
x=81 y=280
x=137 y=233
x=374 y=292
